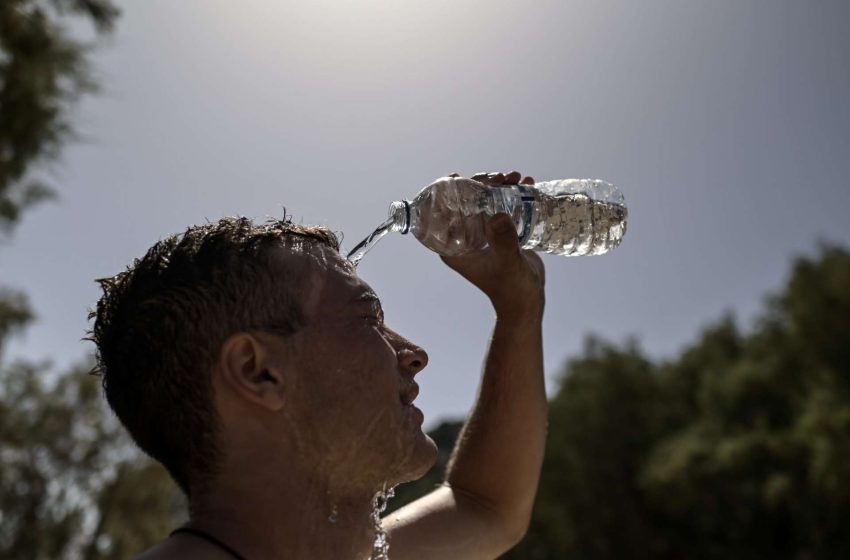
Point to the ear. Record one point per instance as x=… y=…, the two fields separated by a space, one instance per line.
x=247 y=368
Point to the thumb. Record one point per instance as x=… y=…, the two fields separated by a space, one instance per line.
x=502 y=236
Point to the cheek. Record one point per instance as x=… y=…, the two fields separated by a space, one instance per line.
x=353 y=430
x=348 y=399
x=349 y=386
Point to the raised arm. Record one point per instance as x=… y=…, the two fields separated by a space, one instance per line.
x=485 y=504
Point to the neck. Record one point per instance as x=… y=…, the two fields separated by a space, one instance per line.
x=281 y=512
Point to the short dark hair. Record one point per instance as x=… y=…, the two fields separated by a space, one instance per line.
x=159 y=326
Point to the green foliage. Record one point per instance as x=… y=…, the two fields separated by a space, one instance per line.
x=71 y=484
x=137 y=508
x=43 y=70
x=15 y=313
x=602 y=425
x=737 y=449
x=760 y=470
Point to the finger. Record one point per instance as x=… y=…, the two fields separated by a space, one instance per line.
x=502 y=236
x=483 y=178
x=460 y=263
x=527 y=181
x=448 y=260
x=513 y=178
x=489 y=178
x=536 y=262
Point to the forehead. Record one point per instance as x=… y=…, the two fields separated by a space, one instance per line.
x=331 y=283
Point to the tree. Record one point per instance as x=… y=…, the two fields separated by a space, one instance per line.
x=602 y=425
x=71 y=483
x=760 y=470
x=43 y=71
x=738 y=448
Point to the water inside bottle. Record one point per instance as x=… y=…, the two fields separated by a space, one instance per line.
x=356 y=254
x=576 y=224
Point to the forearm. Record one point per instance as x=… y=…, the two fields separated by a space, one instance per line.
x=498 y=457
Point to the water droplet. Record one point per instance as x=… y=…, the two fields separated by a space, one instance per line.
x=380 y=548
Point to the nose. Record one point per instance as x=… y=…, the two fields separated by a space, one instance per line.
x=413 y=359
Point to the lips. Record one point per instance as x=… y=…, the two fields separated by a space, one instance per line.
x=409 y=393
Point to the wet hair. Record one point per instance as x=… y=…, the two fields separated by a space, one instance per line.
x=160 y=324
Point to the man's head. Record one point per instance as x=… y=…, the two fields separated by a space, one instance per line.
x=236 y=324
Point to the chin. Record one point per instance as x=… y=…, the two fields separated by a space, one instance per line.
x=420 y=461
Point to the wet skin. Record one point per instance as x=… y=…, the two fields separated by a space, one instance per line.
x=352 y=381
x=313 y=423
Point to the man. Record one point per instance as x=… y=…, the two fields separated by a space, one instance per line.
x=255 y=365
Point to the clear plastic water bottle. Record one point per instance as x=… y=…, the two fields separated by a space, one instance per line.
x=570 y=217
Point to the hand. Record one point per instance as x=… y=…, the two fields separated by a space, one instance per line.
x=497 y=178
x=512 y=278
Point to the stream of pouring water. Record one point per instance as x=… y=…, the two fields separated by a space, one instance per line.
x=356 y=254
x=380 y=548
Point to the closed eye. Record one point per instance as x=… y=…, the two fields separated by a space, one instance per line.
x=375 y=313
x=373 y=319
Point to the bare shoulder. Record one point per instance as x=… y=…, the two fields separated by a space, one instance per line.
x=161 y=551
x=166 y=550
x=182 y=547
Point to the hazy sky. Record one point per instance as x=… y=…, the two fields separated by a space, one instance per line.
x=726 y=124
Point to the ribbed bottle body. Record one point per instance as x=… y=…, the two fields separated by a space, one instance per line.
x=576 y=217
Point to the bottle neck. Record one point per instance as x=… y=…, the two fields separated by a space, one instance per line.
x=528 y=200
x=400 y=215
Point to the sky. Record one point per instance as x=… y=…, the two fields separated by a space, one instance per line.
x=725 y=124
